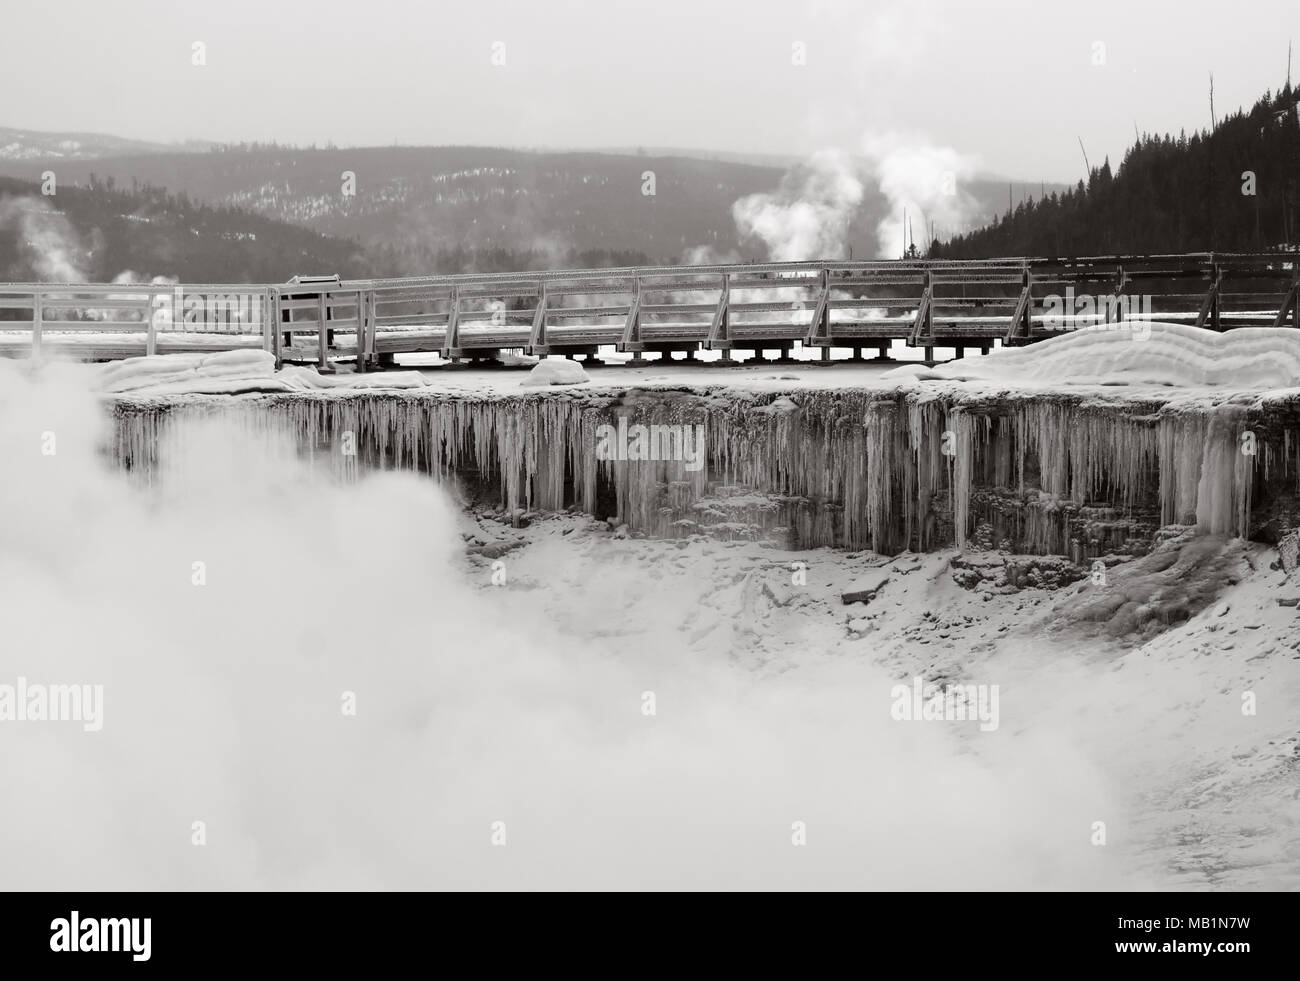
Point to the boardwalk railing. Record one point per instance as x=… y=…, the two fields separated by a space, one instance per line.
x=752 y=307
x=103 y=322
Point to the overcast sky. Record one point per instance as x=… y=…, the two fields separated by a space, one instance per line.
x=1010 y=85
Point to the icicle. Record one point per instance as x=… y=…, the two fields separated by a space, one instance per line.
x=885 y=470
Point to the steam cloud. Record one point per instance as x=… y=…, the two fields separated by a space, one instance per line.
x=474 y=704
x=46 y=238
x=808 y=216
x=811 y=214
x=922 y=183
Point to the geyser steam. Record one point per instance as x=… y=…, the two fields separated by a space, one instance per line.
x=231 y=614
x=808 y=216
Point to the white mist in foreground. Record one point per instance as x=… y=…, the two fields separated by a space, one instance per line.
x=223 y=704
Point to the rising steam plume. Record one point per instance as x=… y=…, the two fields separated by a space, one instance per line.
x=46 y=239
x=812 y=214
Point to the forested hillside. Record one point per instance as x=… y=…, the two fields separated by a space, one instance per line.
x=1233 y=188
x=99 y=233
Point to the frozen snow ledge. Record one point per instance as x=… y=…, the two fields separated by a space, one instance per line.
x=230 y=373
x=1136 y=353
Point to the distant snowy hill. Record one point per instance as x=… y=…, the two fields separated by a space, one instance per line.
x=424 y=209
x=29 y=144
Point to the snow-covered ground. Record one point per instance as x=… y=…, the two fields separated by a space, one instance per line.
x=1194 y=793
x=1137 y=360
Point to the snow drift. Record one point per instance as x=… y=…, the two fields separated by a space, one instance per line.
x=1137 y=353
x=231 y=373
x=556 y=371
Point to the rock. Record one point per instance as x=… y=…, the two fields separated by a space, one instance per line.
x=1288 y=600
x=621 y=531
x=779 y=593
x=866 y=587
x=905 y=564
x=493 y=550
x=1010 y=574
x=1288 y=548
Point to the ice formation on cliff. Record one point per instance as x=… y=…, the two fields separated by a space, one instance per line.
x=889 y=471
x=1012 y=455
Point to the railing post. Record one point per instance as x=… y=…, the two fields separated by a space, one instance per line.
x=720 y=325
x=323 y=336
x=38 y=314
x=1218 y=286
x=1210 y=305
x=1119 y=294
x=1021 y=326
x=451 y=337
x=372 y=328
x=923 y=326
x=268 y=326
x=151 y=331
x=1295 y=294
x=537 y=336
x=361 y=331
x=819 y=327
x=632 y=326
x=273 y=319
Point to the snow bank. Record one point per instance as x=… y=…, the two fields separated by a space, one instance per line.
x=556 y=371
x=229 y=373
x=1136 y=353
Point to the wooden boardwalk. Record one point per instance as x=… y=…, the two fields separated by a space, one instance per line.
x=725 y=308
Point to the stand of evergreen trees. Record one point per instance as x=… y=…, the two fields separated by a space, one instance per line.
x=1190 y=194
